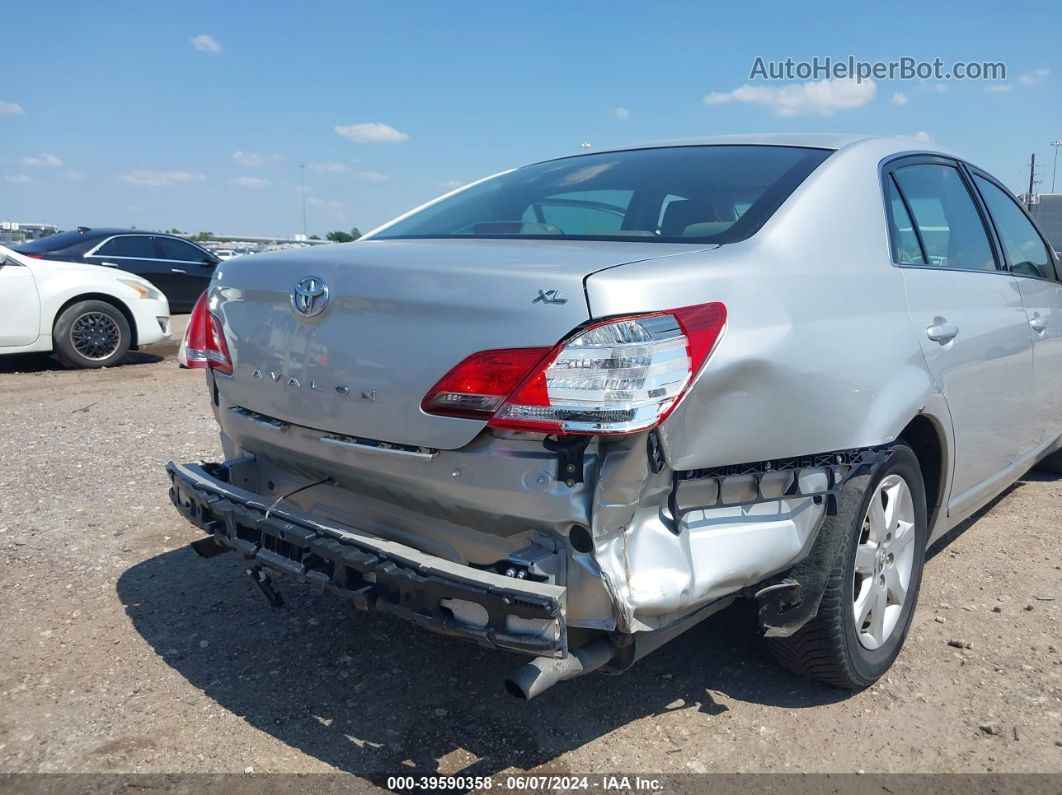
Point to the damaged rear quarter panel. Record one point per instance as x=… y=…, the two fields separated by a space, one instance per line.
x=818 y=355
x=658 y=570
x=818 y=337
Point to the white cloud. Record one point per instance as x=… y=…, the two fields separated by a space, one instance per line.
x=899 y=98
x=923 y=136
x=372 y=176
x=160 y=179
x=797 y=99
x=204 y=42
x=450 y=184
x=19 y=179
x=327 y=168
x=371 y=132
x=332 y=207
x=254 y=159
x=11 y=107
x=251 y=182
x=1034 y=77
x=1029 y=79
x=942 y=88
x=43 y=160
x=621 y=113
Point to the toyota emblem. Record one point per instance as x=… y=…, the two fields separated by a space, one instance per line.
x=309 y=296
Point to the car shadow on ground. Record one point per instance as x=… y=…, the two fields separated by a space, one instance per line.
x=45 y=362
x=375 y=696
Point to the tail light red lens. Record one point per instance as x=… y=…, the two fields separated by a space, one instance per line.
x=204 y=345
x=618 y=376
x=479 y=384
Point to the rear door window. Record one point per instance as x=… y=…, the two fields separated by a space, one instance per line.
x=1025 y=249
x=599 y=212
x=907 y=249
x=128 y=246
x=949 y=225
x=179 y=250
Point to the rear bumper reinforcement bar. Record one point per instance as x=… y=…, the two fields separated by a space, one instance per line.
x=375 y=574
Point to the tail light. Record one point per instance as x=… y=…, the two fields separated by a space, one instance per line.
x=204 y=345
x=617 y=376
x=479 y=384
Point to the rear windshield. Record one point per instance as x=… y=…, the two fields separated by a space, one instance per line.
x=56 y=242
x=680 y=194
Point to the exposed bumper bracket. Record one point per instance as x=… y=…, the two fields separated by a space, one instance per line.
x=375 y=574
x=265 y=585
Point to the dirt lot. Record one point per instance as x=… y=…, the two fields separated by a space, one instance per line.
x=125 y=652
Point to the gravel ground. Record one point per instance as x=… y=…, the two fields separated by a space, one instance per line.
x=125 y=652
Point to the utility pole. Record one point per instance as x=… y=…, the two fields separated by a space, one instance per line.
x=1054 y=171
x=1032 y=174
x=302 y=170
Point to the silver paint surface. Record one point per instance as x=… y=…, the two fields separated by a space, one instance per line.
x=825 y=349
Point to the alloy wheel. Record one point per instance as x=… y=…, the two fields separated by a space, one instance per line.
x=884 y=559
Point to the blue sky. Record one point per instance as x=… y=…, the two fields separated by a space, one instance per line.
x=198 y=115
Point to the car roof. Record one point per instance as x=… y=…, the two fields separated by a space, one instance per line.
x=813 y=140
x=102 y=231
x=82 y=235
x=871 y=146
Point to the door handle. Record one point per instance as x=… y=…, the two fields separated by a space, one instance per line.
x=177 y=270
x=942 y=332
x=1039 y=324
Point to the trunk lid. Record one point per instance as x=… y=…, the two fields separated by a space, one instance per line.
x=399 y=315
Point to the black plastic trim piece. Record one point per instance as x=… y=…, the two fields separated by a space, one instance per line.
x=569 y=450
x=854 y=463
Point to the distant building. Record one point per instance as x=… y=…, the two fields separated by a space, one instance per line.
x=1047 y=210
x=18 y=232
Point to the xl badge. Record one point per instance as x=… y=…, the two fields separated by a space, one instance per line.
x=310 y=296
x=549 y=297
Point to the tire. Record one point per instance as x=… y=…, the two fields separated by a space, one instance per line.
x=91 y=334
x=830 y=648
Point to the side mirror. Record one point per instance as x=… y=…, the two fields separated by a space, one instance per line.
x=210 y=262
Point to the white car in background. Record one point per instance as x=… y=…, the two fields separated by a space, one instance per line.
x=89 y=315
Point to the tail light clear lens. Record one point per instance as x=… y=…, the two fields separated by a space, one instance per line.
x=618 y=376
x=204 y=344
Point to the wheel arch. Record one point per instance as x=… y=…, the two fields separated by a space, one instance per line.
x=107 y=299
x=926 y=435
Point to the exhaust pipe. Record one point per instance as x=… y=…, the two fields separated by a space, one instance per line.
x=542 y=673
